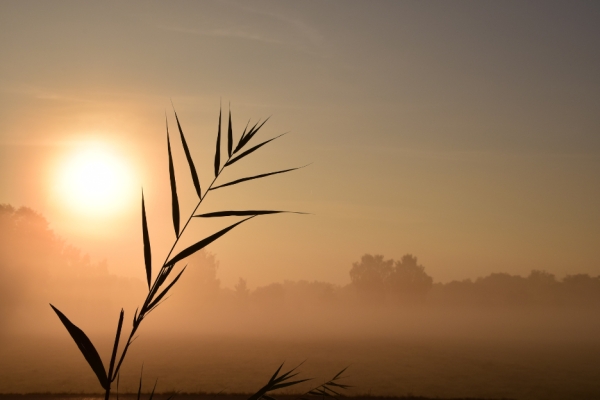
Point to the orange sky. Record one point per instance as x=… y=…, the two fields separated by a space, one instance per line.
x=466 y=133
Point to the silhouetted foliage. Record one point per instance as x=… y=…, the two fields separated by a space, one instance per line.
x=370 y=277
x=52 y=269
x=377 y=279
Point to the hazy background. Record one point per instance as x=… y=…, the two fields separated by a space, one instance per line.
x=462 y=133
x=497 y=336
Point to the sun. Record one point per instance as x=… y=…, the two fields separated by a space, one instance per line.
x=94 y=180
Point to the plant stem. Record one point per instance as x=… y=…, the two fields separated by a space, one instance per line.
x=138 y=320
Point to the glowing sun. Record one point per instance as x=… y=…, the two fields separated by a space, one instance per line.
x=94 y=180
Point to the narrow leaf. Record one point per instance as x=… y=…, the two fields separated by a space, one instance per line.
x=147 y=252
x=331 y=390
x=338 y=385
x=115 y=347
x=282 y=385
x=86 y=347
x=255 y=177
x=249 y=151
x=154 y=388
x=229 y=135
x=189 y=158
x=243 y=140
x=339 y=373
x=164 y=292
x=174 y=199
x=275 y=374
x=140 y=388
x=203 y=243
x=255 y=131
x=218 y=152
x=249 y=136
x=245 y=129
x=242 y=213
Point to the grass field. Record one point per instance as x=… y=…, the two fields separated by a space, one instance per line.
x=450 y=368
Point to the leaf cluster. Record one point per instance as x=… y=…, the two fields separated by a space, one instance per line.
x=159 y=288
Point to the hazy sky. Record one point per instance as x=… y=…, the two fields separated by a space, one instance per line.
x=465 y=133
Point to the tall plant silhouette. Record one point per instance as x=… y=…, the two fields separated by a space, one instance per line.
x=159 y=288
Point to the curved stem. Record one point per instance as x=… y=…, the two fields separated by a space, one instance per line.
x=155 y=285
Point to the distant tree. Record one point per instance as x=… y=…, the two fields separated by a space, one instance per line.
x=202 y=287
x=241 y=290
x=581 y=290
x=270 y=296
x=36 y=264
x=408 y=281
x=370 y=277
x=303 y=293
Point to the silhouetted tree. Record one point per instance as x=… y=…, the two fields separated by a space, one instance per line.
x=370 y=277
x=242 y=293
x=408 y=281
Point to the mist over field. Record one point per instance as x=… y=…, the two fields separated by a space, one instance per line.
x=399 y=330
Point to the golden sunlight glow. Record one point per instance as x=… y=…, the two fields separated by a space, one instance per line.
x=93 y=180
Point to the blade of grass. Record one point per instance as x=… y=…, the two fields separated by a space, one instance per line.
x=153 y=389
x=250 y=134
x=243 y=140
x=251 y=150
x=189 y=158
x=242 y=213
x=174 y=199
x=115 y=347
x=218 y=151
x=86 y=347
x=164 y=292
x=147 y=252
x=140 y=388
x=229 y=135
x=286 y=384
x=255 y=177
x=203 y=243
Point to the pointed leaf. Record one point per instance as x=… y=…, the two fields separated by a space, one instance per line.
x=218 y=152
x=154 y=388
x=203 y=243
x=339 y=373
x=331 y=390
x=242 y=213
x=86 y=347
x=174 y=199
x=249 y=151
x=147 y=252
x=164 y=292
x=229 y=135
x=243 y=141
x=249 y=136
x=275 y=374
x=338 y=385
x=245 y=129
x=254 y=131
x=255 y=177
x=189 y=158
x=140 y=388
x=115 y=347
x=282 y=385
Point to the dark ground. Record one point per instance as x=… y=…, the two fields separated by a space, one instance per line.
x=202 y=396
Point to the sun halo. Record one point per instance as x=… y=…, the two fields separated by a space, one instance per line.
x=93 y=180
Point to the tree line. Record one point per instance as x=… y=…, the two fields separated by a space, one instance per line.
x=35 y=265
